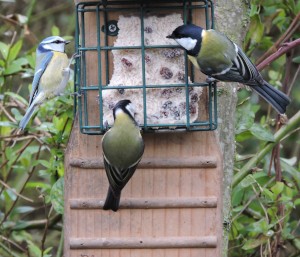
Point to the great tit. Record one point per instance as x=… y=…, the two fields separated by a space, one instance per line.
x=218 y=57
x=123 y=147
x=51 y=75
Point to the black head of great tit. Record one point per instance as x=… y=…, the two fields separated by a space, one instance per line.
x=218 y=57
x=123 y=147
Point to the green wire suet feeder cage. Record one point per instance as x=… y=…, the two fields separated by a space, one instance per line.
x=104 y=49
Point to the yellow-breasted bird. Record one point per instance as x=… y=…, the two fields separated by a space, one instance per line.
x=51 y=75
x=123 y=148
x=218 y=57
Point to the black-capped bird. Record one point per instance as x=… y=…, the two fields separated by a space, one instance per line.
x=218 y=57
x=123 y=148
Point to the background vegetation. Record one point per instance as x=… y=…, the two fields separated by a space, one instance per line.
x=265 y=199
x=31 y=164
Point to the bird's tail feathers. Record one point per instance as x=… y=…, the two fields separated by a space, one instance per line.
x=273 y=96
x=112 y=200
x=27 y=116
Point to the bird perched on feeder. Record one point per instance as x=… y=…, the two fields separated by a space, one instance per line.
x=123 y=147
x=51 y=75
x=218 y=57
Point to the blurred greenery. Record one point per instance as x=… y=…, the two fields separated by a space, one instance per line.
x=31 y=163
x=265 y=204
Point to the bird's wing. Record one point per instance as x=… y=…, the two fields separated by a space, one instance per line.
x=119 y=178
x=40 y=68
x=242 y=70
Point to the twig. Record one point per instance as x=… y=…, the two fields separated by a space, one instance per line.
x=40 y=224
x=245 y=206
x=286 y=36
x=7 y=113
x=23 y=187
x=282 y=50
x=59 y=252
x=46 y=227
x=18 y=156
x=294 y=79
x=14 y=191
x=13 y=243
x=12 y=21
x=291 y=125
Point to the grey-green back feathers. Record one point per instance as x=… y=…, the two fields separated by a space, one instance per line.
x=218 y=57
x=123 y=148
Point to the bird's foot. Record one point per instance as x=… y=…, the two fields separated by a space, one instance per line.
x=77 y=94
x=74 y=56
x=210 y=80
x=71 y=94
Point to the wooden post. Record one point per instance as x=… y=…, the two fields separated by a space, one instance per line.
x=171 y=207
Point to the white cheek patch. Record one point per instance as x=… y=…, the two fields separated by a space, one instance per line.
x=118 y=112
x=47 y=47
x=130 y=107
x=187 y=43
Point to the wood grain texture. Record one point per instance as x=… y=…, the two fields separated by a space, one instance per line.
x=143 y=243
x=177 y=166
x=150 y=203
x=146 y=163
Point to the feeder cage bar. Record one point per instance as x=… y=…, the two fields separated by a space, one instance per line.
x=102 y=49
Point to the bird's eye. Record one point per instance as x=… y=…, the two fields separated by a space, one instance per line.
x=57 y=42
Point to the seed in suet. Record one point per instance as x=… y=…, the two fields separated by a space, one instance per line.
x=126 y=63
x=166 y=73
x=148 y=30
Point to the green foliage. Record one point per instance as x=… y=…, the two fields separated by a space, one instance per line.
x=265 y=204
x=31 y=163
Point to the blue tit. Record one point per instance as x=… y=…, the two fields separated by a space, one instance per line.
x=218 y=57
x=51 y=75
x=123 y=147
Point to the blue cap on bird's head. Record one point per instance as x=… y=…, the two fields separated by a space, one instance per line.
x=188 y=36
x=53 y=43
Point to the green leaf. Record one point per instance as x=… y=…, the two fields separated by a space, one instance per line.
x=2 y=81
x=7 y=124
x=274 y=75
x=244 y=119
x=296 y=243
x=254 y=10
x=57 y=196
x=4 y=50
x=261 y=133
x=297 y=202
x=256 y=29
x=277 y=188
x=55 y=31
x=237 y=197
x=23 y=209
x=34 y=250
x=14 y=51
x=15 y=66
x=31 y=59
x=296 y=59
x=17 y=97
x=247 y=181
x=45 y=163
x=253 y=243
x=268 y=194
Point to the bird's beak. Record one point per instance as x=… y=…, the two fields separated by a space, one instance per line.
x=67 y=42
x=171 y=36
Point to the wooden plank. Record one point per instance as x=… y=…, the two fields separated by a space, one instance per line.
x=151 y=203
x=146 y=163
x=179 y=167
x=145 y=243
